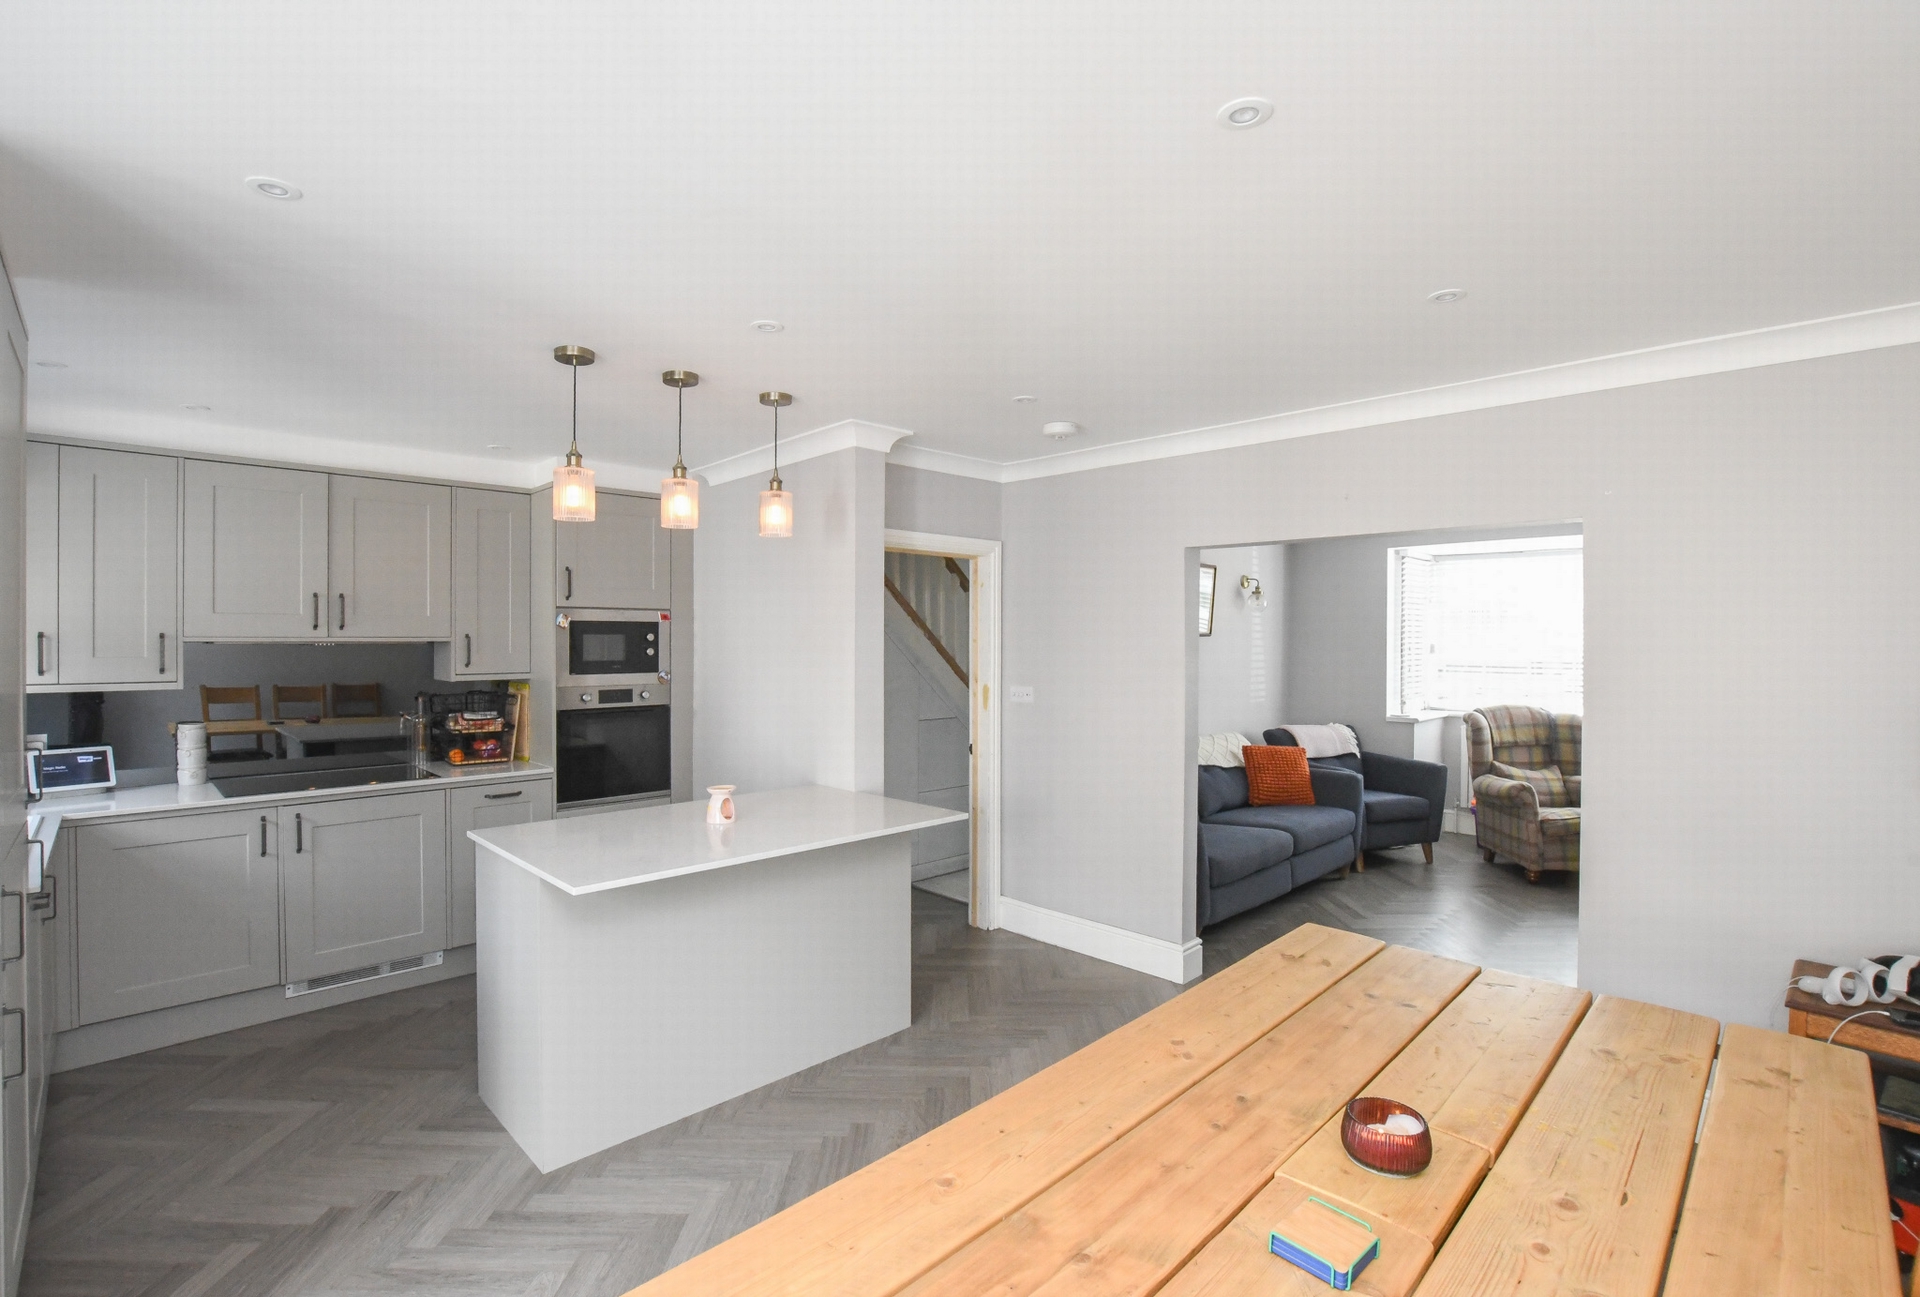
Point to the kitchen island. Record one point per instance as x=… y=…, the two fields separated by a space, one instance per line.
x=639 y=966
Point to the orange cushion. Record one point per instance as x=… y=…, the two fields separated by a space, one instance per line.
x=1278 y=776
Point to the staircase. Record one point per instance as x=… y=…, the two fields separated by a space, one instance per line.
x=928 y=754
x=933 y=593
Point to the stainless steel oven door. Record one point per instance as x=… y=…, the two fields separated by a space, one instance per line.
x=610 y=647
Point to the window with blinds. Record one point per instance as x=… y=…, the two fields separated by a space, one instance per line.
x=1483 y=623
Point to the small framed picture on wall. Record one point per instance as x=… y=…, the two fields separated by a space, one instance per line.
x=1209 y=577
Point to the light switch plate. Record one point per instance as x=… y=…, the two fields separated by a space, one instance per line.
x=1019 y=693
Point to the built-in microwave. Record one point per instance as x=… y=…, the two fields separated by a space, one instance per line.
x=598 y=648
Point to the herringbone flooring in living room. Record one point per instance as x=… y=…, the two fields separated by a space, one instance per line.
x=347 y=1150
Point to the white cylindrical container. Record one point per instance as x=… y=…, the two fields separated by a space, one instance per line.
x=720 y=803
x=190 y=736
x=189 y=778
x=190 y=753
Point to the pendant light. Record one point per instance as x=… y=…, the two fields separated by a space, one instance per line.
x=680 y=494
x=776 y=502
x=572 y=484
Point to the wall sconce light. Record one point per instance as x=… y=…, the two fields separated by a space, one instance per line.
x=1256 y=597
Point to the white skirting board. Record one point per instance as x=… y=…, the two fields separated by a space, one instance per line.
x=1457 y=819
x=1164 y=959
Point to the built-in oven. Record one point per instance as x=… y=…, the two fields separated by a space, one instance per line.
x=610 y=646
x=610 y=753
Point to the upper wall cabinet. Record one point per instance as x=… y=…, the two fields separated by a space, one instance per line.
x=103 y=562
x=622 y=559
x=492 y=580
x=389 y=556
x=256 y=553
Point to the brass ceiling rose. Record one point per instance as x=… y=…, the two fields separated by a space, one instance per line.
x=573 y=355
x=776 y=398
x=677 y=377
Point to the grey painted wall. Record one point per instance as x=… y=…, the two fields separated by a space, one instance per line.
x=941 y=503
x=1241 y=665
x=791 y=680
x=1750 y=544
x=135 y=723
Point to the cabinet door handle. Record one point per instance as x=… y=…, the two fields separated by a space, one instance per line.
x=40 y=651
x=343 y=610
x=469 y=640
x=299 y=834
x=569 y=583
x=263 y=837
x=48 y=900
x=501 y=797
x=316 y=610
x=21 y=931
x=163 y=652
x=21 y=1015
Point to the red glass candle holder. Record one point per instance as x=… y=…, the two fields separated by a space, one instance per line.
x=1380 y=1151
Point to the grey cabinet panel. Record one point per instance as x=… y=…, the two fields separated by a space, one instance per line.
x=43 y=564
x=365 y=881
x=119 y=568
x=622 y=559
x=492 y=587
x=256 y=552
x=487 y=806
x=169 y=911
x=389 y=555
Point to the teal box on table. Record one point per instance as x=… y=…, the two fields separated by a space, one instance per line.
x=1331 y=1245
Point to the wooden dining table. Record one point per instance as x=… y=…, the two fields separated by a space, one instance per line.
x=1577 y=1149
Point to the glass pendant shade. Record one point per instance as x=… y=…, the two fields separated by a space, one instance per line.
x=679 y=500
x=776 y=510
x=573 y=492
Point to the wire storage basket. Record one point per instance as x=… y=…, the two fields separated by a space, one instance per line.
x=472 y=728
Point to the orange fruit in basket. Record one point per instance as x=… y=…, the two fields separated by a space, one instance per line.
x=456 y=756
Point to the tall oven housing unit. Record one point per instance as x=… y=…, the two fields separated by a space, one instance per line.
x=612 y=676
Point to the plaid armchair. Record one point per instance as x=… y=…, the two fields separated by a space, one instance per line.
x=1534 y=818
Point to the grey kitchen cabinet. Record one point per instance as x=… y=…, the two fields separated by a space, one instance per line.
x=492 y=587
x=43 y=564
x=174 y=909
x=364 y=879
x=256 y=552
x=622 y=559
x=389 y=557
x=486 y=806
x=24 y=1050
x=119 y=568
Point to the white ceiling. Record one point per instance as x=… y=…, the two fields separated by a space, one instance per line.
x=947 y=204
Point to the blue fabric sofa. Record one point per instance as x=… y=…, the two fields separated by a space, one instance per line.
x=1250 y=854
x=1404 y=798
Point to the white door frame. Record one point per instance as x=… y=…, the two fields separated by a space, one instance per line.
x=983 y=691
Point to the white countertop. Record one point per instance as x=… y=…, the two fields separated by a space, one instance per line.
x=594 y=853
x=155 y=798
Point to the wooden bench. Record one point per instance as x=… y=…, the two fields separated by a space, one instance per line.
x=1776 y=1204
x=1583 y=1198
x=1471 y=1072
x=880 y=1228
x=1129 y=1218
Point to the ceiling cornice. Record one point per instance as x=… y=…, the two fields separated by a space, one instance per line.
x=1889 y=326
x=803 y=446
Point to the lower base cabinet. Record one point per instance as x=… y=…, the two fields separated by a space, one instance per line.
x=175 y=910
x=365 y=881
x=483 y=807
x=26 y=1049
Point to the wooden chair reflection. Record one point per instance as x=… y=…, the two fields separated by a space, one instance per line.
x=244 y=702
x=357 y=700
x=299 y=702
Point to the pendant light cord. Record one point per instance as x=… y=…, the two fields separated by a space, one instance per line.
x=573 y=446
x=679 y=424
x=776 y=441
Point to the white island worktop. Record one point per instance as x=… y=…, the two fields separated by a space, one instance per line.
x=639 y=966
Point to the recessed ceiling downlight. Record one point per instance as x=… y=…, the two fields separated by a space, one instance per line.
x=272 y=188
x=51 y=364
x=768 y=326
x=1025 y=400
x=1244 y=114
x=198 y=409
x=1060 y=428
x=1446 y=295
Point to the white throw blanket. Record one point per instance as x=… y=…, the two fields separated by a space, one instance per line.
x=1223 y=749
x=1325 y=740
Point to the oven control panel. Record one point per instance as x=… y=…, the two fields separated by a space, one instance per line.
x=575 y=698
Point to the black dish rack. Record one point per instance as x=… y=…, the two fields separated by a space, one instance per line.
x=472 y=728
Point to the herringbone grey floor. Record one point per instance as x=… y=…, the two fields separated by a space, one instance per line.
x=347 y=1151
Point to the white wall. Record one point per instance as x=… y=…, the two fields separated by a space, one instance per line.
x=1750 y=544
x=790 y=681
x=927 y=732
x=940 y=503
x=1241 y=665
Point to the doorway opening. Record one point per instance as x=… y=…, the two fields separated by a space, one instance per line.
x=941 y=606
